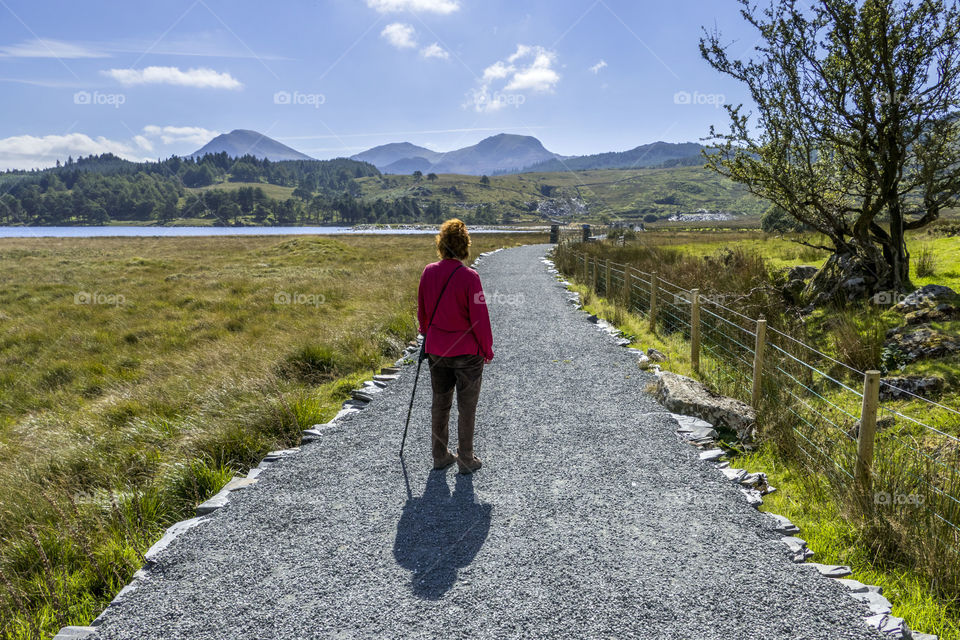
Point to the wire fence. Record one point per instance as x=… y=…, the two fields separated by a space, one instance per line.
x=809 y=402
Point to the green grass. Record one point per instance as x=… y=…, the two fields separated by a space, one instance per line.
x=893 y=551
x=275 y=191
x=137 y=375
x=610 y=194
x=807 y=501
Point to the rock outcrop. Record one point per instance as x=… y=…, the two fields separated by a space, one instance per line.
x=681 y=394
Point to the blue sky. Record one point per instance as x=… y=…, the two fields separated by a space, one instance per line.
x=334 y=77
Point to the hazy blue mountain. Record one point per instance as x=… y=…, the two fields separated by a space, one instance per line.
x=497 y=154
x=654 y=154
x=507 y=153
x=387 y=154
x=241 y=142
x=406 y=166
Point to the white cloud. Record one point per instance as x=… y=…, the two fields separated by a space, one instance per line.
x=496 y=71
x=143 y=143
x=200 y=78
x=196 y=136
x=528 y=69
x=595 y=69
x=539 y=76
x=33 y=152
x=426 y=6
x=40 y=48
x=400 y=35
x=434 y=51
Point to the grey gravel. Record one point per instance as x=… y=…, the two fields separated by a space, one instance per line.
x=589 y=519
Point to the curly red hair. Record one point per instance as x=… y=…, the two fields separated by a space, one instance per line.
x=453 y=241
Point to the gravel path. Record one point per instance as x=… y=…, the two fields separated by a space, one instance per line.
x=589 y=519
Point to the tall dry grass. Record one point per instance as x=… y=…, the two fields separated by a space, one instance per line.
x=137 y=375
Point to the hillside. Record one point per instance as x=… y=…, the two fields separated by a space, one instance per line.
x=387 y=154
x=614 y=193
x=656 y=154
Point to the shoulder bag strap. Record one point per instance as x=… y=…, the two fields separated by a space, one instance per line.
x=423 y=345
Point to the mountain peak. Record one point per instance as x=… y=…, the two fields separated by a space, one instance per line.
x=500 y=152
x=241 y=142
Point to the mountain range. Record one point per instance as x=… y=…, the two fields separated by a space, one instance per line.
x=502 y=153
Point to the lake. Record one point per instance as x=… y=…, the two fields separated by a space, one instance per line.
x=134 y=231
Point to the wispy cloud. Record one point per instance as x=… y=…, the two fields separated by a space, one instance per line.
x=42 y=82
x=421 y=6
x=42 y=48
x=200 y=78
x=196 y=136
x=34 y=152
x=595 y=69
x=434 y=51
x=528 y=69
x=400 y=35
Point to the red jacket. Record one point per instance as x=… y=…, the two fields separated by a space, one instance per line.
x=461 y=325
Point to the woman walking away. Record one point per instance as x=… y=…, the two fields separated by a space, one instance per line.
x=452 y=314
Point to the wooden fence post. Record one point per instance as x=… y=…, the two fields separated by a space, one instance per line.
x=627 y=287
x=695 y=329
x=868 y=428
x=654 y=286
x=606 y=279
x=758 y=361
x=596 y=271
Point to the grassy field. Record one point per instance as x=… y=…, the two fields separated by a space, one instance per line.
x=896 y=551
x=137 y=375
x=275 y=191
x=611 y=193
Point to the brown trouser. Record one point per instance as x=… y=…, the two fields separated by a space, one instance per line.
x=462 y=373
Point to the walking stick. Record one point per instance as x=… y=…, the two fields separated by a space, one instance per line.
x=420 y=360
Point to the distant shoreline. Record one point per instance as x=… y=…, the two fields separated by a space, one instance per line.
x=158 y=231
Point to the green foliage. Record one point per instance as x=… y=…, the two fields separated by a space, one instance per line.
x=776 y=220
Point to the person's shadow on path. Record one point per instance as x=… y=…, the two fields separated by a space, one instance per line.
x=439 y=533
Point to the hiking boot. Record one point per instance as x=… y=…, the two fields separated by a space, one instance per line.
x=444 y=462
x=469 y=465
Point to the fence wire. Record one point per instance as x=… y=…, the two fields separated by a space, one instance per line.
x=812 y=400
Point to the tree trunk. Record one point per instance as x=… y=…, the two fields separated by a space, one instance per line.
x=859 y=270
